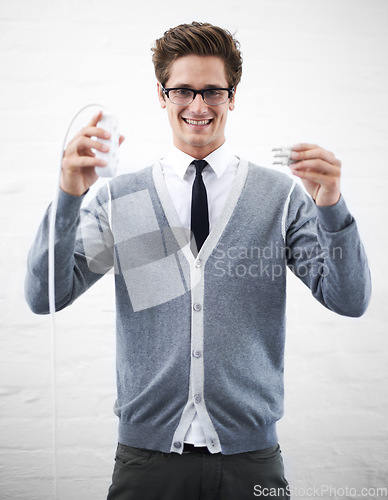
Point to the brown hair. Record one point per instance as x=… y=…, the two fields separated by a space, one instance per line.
x=202 y=39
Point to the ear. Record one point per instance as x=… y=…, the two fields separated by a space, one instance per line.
x=161 y=96
x=232 y=101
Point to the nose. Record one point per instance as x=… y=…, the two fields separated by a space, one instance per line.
x=198 y=105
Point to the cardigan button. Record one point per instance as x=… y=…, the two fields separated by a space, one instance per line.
x=177 y=444
x=197 y=354
x=197 y=307
x=198 y=263
x=197 y=398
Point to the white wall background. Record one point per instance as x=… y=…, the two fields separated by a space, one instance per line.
x=314 y=71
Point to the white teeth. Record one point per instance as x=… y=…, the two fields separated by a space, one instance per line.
x=196 y=122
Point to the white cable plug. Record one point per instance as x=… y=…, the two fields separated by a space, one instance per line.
x=282 y=156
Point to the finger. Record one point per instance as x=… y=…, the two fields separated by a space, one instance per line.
x=121 y=139
x=303 y=146
x=307 y=151
x=316 y=165
x=317 y=153
x=72 y=162
x=89 y=132
x=92 y=128
x=96 y=118
x=95 y=132
x=328 y=181
x=87 y=145
x=82 y=146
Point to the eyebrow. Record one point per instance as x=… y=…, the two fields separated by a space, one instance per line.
x=208 y=86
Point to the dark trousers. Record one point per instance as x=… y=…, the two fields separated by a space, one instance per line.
x=197 y=475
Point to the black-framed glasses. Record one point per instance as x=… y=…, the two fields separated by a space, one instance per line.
x=184 y=96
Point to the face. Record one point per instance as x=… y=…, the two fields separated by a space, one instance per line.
x=198 y=129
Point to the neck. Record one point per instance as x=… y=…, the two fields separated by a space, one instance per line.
x=198 y=152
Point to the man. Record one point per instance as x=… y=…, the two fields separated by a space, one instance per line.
x=200 y=327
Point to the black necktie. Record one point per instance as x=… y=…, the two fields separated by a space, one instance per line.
x=199 y=208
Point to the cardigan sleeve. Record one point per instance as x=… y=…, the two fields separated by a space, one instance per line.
x=325 y=251
x=83 y=252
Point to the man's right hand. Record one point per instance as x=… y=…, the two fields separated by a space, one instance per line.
x=78 y=162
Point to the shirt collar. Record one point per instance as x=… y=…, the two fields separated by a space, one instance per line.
x=180 y=161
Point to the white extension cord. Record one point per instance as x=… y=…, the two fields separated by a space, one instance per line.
x=51 y=298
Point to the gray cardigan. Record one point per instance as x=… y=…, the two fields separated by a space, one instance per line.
x=201 y=334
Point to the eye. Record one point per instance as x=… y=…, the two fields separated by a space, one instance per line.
x=213 y=93
x=182 y=92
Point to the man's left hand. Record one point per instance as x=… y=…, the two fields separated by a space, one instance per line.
x=320 y=172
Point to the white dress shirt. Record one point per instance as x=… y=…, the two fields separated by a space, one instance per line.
x=218 y=177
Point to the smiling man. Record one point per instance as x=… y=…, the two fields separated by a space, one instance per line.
x=197 y=120
x=200 y=243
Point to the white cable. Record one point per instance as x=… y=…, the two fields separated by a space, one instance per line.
x=51 y=298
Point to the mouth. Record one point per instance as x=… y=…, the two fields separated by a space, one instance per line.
x=197 y=123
